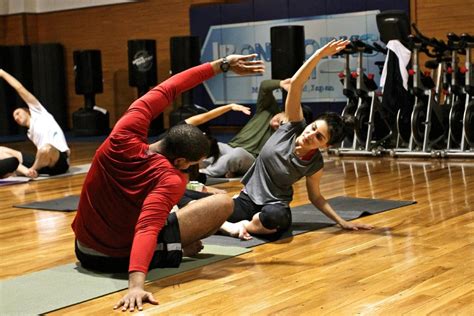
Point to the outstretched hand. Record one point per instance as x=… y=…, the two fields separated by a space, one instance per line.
x=240 y=108
x=245 y=65
x=355 y=226
x=332 y=48
x=134 y=299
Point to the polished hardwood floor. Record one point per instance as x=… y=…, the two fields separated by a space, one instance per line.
x=418 y=260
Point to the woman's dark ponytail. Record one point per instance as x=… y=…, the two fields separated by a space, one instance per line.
x=338 y=127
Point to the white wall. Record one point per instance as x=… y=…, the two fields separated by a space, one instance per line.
x=40 y=6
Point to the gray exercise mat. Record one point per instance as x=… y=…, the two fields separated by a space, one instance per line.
x=65 y=204
x=212 y=181
x=307 y=218
x=73 y=170
x=47 y=290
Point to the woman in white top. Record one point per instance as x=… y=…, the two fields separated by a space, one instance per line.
x=52 y=154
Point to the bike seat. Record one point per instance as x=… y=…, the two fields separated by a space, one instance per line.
x=362 y=47
x=453 y=37
x=467 y=38
x=431 y=64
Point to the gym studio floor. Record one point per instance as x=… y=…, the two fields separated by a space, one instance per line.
x=418 y=260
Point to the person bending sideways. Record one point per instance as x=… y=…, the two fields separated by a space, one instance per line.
x=291 y=153
x=124 y=220
x=235 y=158
x=201 y=120
x=52 y=151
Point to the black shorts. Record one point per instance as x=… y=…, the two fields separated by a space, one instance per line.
x=168 y=253
x=245 y=209
x=7 y=166
x=61 y=166
x=191 y=195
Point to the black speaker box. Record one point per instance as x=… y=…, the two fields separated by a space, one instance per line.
x=88 y=71
x=288 y=50
x=89 y=122
x=142 y=63
x=185 y=52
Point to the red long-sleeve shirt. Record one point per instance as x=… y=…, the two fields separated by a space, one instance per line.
x=129 y=191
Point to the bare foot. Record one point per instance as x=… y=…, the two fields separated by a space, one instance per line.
x=213 y=190
x=32 y=173
x=192 y=249
x=238 y=230
x=229 y=174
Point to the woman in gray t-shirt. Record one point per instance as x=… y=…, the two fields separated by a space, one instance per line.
x=291 y=153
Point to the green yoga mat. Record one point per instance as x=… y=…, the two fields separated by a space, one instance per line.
x=70 y=284
x=307 y=218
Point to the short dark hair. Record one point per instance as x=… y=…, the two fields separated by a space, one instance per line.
x=185 y=141
x=338 y=126
x=24 y=108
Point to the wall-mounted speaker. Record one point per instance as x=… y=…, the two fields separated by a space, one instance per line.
x=142 y=63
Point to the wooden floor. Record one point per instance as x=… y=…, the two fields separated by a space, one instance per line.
x=419 y=260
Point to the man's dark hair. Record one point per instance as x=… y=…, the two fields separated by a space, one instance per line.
x=338 y=126
x=185 y=141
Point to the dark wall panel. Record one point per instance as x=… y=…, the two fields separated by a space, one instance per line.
x=49 y=80
x=271 y=9
x=16 y=60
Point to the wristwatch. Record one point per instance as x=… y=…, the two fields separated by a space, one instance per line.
x=225 y=66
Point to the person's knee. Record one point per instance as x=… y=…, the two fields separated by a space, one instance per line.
x=221 y=204
x=48 y=154
x=275 y=217
x=46 y=150
x=227 y=204
x=5 y=152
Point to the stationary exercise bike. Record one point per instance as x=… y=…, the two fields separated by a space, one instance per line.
x=468 y=121
x=371 y=129
x=426 y=120
x=348 y=80
x=461 y=117
x=455 y=96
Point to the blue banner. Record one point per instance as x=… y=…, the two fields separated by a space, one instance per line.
x=254 y=37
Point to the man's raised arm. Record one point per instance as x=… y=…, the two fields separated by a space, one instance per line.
x=20 y=89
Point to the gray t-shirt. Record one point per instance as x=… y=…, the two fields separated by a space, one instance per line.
x=270 y=179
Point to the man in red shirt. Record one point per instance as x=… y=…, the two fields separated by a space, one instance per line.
x=124 y=220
